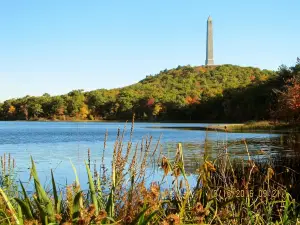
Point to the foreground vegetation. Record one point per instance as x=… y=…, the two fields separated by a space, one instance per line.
x=220 y=93
x=228 y=190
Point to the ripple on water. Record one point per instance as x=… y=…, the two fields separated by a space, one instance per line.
x=54 y=144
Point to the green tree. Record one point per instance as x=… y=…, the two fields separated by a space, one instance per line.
x=75 y=100
x=35 y=109
x=58 y=106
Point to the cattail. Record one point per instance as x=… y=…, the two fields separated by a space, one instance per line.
x=159 y=154
x=149 y=144
x=8 y=163
x=4 y=162
x=95 y=169
x=146 y=145
x=95 y=175
x=104 y=145
x=141 y=149
x=165 y=165
x=127 y=151
x=9 y=159
x=115 y=150
x=102 y=166
x=181 y=184
x=89 y=158
x=118 y=133
x=157 y=144
x=145 y=157
x=133 y=161
x=122 y=137
x=132 y=126
x=103 y=174
x=105 y=138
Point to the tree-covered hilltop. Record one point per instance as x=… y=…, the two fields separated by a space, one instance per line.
x=225 y=92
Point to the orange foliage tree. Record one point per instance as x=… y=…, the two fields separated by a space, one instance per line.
x=289 y=101
x=191 y=100
x=11 y=110
x=84 y=111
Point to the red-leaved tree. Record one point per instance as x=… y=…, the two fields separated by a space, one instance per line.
x=289 y=102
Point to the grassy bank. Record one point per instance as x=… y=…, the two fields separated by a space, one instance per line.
x=228 y=190
x=257 y=126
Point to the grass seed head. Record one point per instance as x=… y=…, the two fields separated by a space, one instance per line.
x=165 y=165
x=210 y=166
x=172 y=219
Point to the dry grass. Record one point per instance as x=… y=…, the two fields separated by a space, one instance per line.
x=262 y=125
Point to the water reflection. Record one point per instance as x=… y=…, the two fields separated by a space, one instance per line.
x=287 y=145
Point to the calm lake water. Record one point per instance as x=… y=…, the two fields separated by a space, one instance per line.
x=54 y=144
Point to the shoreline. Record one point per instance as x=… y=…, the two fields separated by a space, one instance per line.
x=257 y=126
x=214 y=125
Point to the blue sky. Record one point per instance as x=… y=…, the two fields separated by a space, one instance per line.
x=58 y=46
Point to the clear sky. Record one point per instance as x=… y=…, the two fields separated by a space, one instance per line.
x=60 y=45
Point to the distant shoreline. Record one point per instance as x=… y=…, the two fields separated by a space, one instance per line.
x=215 y=125
x=124 y=120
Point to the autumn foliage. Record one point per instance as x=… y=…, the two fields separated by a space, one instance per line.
x=224 y=93
x=289 y=101
x=11 y=110
x=150 y=102
x=191 y=100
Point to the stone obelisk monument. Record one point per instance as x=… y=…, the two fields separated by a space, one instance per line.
x=209 y=43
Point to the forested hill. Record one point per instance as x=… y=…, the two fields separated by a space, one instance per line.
x=225 y=92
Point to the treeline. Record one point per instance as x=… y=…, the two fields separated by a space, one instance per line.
x=223 y=93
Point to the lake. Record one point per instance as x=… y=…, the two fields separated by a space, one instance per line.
x=54 y=144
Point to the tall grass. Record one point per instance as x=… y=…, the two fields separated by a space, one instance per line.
x=227 y=190
x=264 y=125
x=8 y=174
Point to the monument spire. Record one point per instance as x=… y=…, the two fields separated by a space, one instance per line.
x=209 y=43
